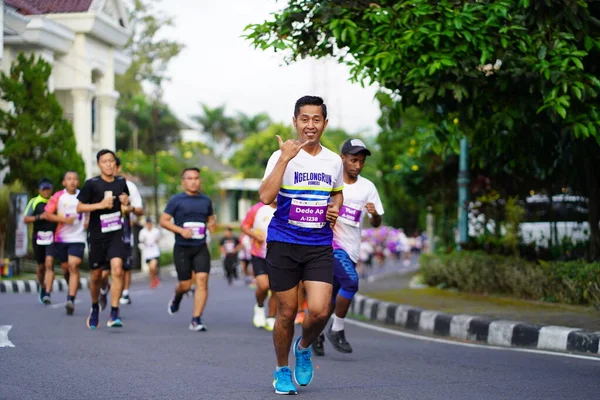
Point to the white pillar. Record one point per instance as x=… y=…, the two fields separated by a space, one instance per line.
x=82 y=125
x=107 y=115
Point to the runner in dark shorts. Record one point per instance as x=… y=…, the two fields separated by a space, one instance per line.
x=189 y=215
x=307 y=181
x=106 y=198
x=42 y=239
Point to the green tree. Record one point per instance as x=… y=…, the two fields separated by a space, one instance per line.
x=514 y=75
x=249 y=124
x=251 y=159
x=151 y=54
x=37 y=141
x=135 y=126
x=169 y=166
x=222 y=128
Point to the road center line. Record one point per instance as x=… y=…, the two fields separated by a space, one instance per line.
x=475 y=345
x=4 y=341
x=58 y=305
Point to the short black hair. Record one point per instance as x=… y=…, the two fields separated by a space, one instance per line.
x=68 y=172
x=310 y=101
x=103 y=152
x=118 y=161
x=190 y=169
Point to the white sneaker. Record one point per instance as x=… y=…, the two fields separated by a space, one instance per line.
x=259 y=317
x=270 y=324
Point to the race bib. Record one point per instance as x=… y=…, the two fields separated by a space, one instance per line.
x=229 y=247
x=350 y=214
x=110 y=222
x=44 y=238
x=198 y=229
x=308 y=213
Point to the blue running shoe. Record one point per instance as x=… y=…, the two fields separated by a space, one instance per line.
x=196 y=325
x=282 y=381
x=41 y=293
x=173 y=305
x=303 y=373
x=92 y=320
x=114 y=321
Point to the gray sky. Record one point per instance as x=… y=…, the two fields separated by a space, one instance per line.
x=219 y=66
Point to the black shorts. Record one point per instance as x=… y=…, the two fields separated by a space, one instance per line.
x=62 y=251
x=288 y=264
x=259 y=266
x=40 y=252
x=191 y=258
x=153 y=258
x=102 y=251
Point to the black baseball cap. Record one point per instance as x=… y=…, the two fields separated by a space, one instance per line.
x=45 y=183
x=355 y=146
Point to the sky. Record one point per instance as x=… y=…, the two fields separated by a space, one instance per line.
x=218 y=66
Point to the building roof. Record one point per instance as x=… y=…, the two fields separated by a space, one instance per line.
x=38 y=7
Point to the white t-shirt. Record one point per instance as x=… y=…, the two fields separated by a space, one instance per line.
x=305 y=190
x=64 y=204
x=366 y=249
x=149 y=242
x=258 y=219
x=346 y=233
x=135 y=200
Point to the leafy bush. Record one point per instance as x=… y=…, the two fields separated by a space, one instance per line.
x=573 y=282
x=166 y=258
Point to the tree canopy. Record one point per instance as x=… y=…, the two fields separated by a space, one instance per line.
x=37 y=140
x=151 y=54
x=519 y=78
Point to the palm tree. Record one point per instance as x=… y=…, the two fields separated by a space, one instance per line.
x=249 y=124
x=222 y=129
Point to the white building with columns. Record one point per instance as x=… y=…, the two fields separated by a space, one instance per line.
x=83 y=40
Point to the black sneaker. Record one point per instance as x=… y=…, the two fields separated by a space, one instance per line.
x=70 y=307
x=173 y=305
x=102 y=299
x=318 y=346
x=338 y=340
x=46 y=299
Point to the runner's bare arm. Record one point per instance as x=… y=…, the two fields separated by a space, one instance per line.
x=166 y=221
x=211 y=223
x=335 y=203
x=61 y=219
x=375 y=218
x=270 y=187
x=29 y=219
x=259 y=237
x=107 y=202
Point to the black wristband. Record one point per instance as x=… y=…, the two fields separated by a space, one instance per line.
x=37 y=217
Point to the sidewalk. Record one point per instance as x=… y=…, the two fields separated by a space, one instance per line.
x=492 y=320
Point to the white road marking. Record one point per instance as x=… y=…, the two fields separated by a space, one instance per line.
x=474 y=345
x=59 y=305
x=4 y=342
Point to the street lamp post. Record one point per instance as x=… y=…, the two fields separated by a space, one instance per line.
x=463 y=193
x=155 y=118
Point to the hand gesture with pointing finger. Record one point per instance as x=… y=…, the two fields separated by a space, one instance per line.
x=290 y=148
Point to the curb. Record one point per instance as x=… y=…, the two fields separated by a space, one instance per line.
x=477 y=329
x=31 y=286
x=61 y=285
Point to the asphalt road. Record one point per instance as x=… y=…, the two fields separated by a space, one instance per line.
x=155 y=356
